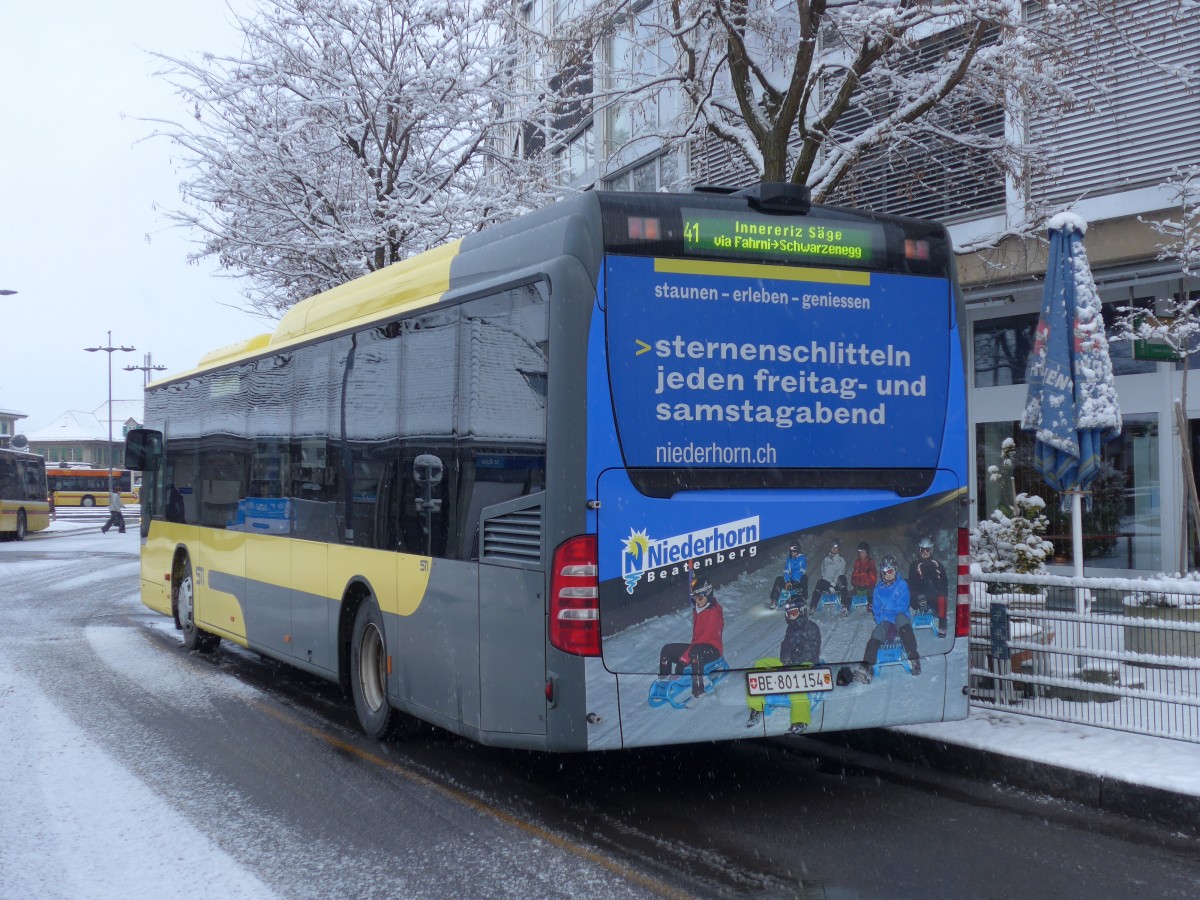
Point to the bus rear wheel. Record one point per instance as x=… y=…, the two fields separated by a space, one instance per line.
x=22 y=526
x=89 y=500
x=194 y=637
x=368 y=674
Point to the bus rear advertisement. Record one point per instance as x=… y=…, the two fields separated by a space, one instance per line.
x=23 y=502
x=635 y=469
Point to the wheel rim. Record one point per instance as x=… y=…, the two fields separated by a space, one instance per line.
x=372 y=672
x=87 y=501
x=185 y=603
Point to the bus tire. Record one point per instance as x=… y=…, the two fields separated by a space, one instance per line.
x=22 y=526
x=88 y=500
x=368 y=674
x=194 y=637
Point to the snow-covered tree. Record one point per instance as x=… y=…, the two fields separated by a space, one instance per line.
x=346 y=135
x=805 y=92
x=1010 y=539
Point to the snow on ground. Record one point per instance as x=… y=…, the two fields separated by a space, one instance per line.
x=72 y=794
x=1139 y=759
x=78 y=823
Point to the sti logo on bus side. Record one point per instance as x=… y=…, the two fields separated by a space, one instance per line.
x=641 y=554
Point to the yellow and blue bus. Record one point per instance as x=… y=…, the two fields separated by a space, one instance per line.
x=519 y=486
x=24 y=506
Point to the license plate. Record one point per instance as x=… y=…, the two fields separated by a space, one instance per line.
x=790 y=681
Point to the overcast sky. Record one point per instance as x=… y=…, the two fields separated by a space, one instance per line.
x=79 y=239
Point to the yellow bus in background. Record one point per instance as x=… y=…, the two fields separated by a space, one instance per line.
x=89 y=487
x=23 y=504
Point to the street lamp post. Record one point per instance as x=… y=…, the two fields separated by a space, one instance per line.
x=146 y=367
x=110 y=350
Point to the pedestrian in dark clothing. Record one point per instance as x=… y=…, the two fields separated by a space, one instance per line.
x=115 y=515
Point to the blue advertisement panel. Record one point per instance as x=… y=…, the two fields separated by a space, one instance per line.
x=729 y=364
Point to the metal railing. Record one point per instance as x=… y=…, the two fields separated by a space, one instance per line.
x=1112 y=652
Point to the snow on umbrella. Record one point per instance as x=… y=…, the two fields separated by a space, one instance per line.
x=1072 y=404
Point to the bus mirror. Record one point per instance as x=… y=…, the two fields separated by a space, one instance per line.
x=143 y=449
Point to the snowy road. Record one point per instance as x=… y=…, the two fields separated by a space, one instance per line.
x=131 y=770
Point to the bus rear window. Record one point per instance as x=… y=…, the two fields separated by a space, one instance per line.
x=742 y=365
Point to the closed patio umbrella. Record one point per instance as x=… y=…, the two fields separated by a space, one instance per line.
x=1072 y=404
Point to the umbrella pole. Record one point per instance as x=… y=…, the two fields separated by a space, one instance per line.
x=1077 y=558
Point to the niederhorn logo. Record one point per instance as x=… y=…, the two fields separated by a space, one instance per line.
x=641 y=553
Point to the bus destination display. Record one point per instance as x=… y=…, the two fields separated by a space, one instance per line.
x=771 y=237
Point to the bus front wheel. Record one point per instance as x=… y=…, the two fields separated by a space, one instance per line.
x=89 y=500
x=194 y=637
x=368 y=674
x=22 y=527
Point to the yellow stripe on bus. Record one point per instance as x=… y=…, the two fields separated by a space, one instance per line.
x=757 y=270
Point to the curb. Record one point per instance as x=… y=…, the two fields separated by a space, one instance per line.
x=1145 y=802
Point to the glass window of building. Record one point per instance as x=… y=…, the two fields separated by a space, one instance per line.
x=1123 y=527
x=1002 y=349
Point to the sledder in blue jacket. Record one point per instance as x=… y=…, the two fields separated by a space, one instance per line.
x=794 y=577
x=890 y=608
x=890 y=600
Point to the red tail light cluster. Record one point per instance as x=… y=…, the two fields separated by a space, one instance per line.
x=962 y=613
x=575 y=597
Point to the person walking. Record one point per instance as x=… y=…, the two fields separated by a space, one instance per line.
x=115 y=515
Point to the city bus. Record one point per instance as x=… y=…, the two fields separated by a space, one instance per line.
x=516 y=485
x=88 y=486
x=23 y=503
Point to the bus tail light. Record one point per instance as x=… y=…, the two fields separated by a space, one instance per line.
x=575 y=597
x=962 y=614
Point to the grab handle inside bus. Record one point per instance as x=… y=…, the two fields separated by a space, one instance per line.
x=143 y=449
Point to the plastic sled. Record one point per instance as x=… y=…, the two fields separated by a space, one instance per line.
x=892 y=654
x=773 y=702
x=677 y=691
x=924 y=620
x=829 y=600
x=784 y=597
x=860 y=600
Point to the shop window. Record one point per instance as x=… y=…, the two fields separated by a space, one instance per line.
x=1123 y=527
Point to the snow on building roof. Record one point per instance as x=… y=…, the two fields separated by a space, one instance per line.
x=78 y=425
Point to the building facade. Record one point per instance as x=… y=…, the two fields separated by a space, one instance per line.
x=1133 y=127
x=83 y=437
x=8 y=425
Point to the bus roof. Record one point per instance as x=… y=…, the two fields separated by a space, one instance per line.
x=599 y=222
